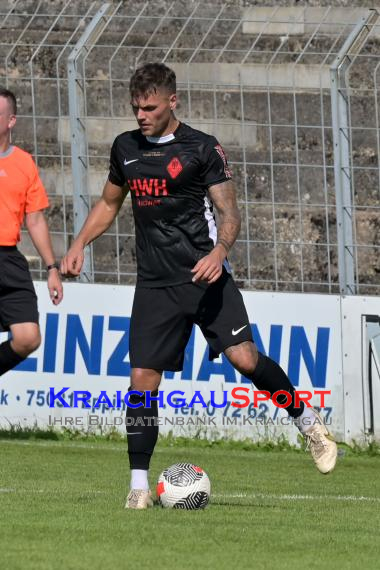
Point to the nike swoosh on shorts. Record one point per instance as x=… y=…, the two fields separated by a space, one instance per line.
x=234 y=333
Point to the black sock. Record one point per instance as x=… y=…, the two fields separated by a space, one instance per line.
x=8 y=357
x=143 y=433
x=269 y=376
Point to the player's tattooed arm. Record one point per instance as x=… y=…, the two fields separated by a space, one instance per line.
x=210 y=267
x=224 y=198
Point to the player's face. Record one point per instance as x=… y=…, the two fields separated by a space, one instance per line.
x=154 y=113
x=7 y=118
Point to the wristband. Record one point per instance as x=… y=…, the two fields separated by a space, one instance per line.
x=52 y=266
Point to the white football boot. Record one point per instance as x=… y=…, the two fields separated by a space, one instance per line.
x=139 y=499
x=322 y=446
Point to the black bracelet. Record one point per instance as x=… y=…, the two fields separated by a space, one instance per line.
x=54 y=265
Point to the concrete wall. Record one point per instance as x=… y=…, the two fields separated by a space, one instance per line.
x=299 y=20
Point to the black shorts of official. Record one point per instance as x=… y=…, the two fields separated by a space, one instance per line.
x=162 y=320
x=18 y=299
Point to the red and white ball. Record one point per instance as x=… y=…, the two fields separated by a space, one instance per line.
x=183 y=486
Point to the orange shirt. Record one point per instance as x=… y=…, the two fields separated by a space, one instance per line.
x=21 y=191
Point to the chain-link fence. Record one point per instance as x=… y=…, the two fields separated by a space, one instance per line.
x=290 y=92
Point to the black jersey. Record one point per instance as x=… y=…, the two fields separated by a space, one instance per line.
x=168 y=181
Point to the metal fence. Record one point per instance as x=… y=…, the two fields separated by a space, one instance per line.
x=291 y=93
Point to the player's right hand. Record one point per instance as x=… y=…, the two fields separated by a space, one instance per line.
x=72 y=263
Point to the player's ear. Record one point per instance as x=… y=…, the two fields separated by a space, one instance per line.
x=12 y=121
x=173 y=101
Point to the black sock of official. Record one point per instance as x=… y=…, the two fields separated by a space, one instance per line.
x=269 y=376
x=8 y=357
x=142 y=431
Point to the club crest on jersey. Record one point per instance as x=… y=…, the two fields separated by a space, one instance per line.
x=220 y=151
x=174 y=167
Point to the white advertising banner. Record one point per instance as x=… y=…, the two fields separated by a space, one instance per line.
x=85 y=349
x=361 y=367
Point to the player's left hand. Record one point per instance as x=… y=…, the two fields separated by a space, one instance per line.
x=210 y=267
x=55 y=286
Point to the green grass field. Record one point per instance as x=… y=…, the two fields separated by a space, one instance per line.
x=61 y=507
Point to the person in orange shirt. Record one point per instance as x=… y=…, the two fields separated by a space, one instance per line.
x=22 y=196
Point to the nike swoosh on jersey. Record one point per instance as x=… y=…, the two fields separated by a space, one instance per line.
x=129 y=161
x=234 y=333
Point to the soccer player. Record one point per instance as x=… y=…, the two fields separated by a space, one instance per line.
x=176 y=175
x=21 y=195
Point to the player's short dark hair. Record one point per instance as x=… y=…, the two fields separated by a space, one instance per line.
x=11 y=99
x=151 y=77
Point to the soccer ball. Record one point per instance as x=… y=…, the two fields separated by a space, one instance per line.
x=183 y=486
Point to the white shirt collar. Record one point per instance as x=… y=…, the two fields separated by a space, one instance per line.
x=160 y=140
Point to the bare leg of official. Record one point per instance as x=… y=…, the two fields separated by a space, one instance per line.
x=26 y=338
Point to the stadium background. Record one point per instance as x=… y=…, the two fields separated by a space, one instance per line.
x=257 y=77
x=291 y=91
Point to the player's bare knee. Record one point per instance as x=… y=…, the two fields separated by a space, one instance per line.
x=243 y=357
x=143 y=379
x=245 y=364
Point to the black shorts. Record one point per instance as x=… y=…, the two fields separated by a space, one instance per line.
x=18 y=299
x=162 y=320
